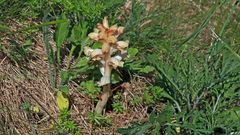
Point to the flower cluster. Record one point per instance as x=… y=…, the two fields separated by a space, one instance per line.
x=107 y=36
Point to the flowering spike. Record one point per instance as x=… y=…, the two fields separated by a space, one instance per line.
x=115 y=62
x=105 y=22
x=121 y=45
x=120 y=30
x=107 y=36
x=94 y=36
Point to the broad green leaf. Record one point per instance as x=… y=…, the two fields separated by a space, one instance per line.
x=132 y=52
x=79 y=32
x=135 y=129
x=62 y=31
x=143 y=129
x=166 y=95
x=115 y=78
x=97 y=45
x=82 y=62
x=136 y=65
x=166 y=115
x=76 y=33
x=147 y=69
x=62 y=101
x=61 y=35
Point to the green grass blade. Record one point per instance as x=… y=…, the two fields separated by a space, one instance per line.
x=4 y=28
x=49 y=52
x=203 y=25
x=61 y=35
x=8 y=30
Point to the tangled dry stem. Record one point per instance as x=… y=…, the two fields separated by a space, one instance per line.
x=20 y=85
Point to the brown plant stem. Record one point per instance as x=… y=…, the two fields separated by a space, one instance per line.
x=107 y=75
x=104 y=98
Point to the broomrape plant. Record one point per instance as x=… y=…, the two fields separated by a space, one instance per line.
x=109 y=57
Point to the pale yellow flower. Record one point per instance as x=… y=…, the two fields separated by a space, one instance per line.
x=107 y=36
x=114 y=62
x=95 y=54
x=122 y=45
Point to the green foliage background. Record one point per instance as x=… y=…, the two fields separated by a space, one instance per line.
x=191 y=49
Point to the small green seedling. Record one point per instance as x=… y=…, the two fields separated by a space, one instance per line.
x=118 y=107
x=98 y=119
